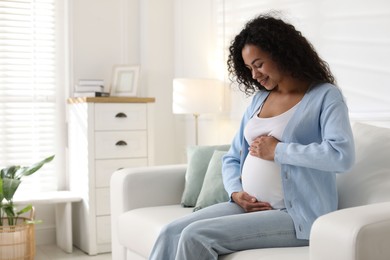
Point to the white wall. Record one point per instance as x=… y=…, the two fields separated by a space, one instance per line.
x=109 y=32
x=102 y=34
x=95 y=39
x=196 y=55
x=156 y=50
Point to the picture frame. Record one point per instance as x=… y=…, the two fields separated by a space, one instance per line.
x=125 y=80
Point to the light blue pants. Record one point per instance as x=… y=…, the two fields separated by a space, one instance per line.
x=222 y=229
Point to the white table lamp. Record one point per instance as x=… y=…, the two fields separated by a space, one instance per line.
x=197 y=96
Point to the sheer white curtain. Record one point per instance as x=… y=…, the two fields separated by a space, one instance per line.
x=352 y=36
x=30 y=94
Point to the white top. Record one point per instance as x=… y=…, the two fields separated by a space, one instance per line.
x=261 y=178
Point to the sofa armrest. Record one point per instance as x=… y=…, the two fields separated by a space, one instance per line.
x=356 y=233
x=147 y=186
x=132 y=188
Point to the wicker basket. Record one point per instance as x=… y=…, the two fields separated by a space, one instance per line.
x=17 y=242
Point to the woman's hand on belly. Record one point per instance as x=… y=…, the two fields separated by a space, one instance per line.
x=264 y=147
x=249 y=203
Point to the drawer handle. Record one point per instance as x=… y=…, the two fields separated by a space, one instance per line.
x=121 y=115
x=121 y=143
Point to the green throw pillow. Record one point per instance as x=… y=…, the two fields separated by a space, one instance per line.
x=198 y=161
x=213 y=191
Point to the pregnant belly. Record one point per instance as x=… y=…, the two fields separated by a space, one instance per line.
x=261 y=179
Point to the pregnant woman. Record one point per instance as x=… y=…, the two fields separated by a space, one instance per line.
x=280 y=170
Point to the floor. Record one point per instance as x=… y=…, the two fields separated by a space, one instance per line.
x=52 y=252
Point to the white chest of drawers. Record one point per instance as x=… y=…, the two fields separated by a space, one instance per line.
x=104 y=134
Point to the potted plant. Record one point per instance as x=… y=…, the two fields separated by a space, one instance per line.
x=17 y=239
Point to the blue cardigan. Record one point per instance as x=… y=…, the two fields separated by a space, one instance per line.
x=316 y=144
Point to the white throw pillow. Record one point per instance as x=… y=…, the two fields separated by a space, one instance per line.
x=369 y=180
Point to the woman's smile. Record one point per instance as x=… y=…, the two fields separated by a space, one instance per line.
x=263 y=69
x=263 y=81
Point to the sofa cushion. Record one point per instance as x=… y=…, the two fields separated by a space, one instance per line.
x=139 y=228
x=198 y=161
x=212 y=191
x=290 y=253
x=368 y=181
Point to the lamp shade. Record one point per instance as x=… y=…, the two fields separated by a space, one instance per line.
x=197 y=96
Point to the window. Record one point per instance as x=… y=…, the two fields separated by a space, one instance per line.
x=31 y=98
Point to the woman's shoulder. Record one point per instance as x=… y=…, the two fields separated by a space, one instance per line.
x=326 y=90
x=323 y=86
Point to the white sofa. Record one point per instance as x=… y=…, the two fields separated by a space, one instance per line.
x=144 y=199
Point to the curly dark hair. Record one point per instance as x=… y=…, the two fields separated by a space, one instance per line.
x=291 y=51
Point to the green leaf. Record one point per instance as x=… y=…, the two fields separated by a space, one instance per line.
x=1 y=191
x=24 y=210
x=9 y=172
x=9 y=183
x=33 y=221
x=10 y=212
x=20 y=172
x=8 y=208
x=9 y=187
x=26 y=171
